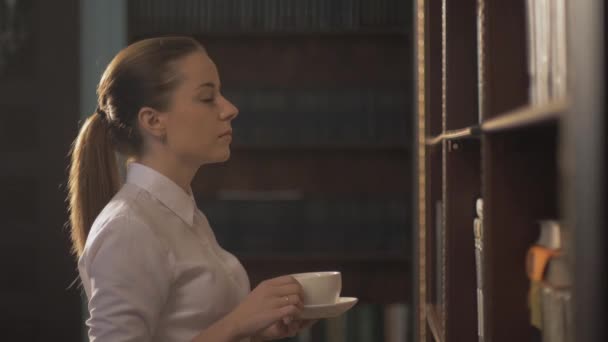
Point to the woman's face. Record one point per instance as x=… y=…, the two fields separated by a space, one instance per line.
x=198 y=125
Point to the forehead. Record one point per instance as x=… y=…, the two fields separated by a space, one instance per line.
x=198 y=68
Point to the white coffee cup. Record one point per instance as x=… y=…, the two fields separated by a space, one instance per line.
x=320 y=287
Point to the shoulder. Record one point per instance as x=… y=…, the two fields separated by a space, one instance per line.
x=121 y=228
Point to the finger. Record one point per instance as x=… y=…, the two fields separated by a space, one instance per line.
x=284 y=280
x=290 y=310
x=287 y=300
x=276 y=315
x=290 y=289
x=272 y=311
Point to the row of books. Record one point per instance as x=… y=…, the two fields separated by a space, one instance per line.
x=547 y=65
x=306 y=211
x=364 y=323
x=201 y=16
x=309 y=226
x=321 y=117
x=299 y=239
x=373 y=101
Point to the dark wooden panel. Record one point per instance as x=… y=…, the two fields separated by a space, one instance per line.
x=463 y=187
x=330 y=173
x=19 y=240
x=506 y=72
x=461 y=64
x=20 y=329
x=57 y=79
x=519 y=188
x=17 y=92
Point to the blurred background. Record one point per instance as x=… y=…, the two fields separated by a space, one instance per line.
x=321 y=174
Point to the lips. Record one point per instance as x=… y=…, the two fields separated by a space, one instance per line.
x=228 y=132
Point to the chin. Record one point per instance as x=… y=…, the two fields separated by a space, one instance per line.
x=226 y=156
x=220 y=157
x=217 y=155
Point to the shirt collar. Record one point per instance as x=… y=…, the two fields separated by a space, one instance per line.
x=164 y=190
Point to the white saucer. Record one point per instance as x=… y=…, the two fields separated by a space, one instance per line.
x=328 y=310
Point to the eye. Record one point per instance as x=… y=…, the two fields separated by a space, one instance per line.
x=208 y=100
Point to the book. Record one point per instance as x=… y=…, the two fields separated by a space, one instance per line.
x=546 y=45
x=558 y=49
x=396 y=323
x=478 y=238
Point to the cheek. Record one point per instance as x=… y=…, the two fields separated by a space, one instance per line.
x=191 y=132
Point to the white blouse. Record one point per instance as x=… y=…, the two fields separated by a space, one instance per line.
x=152 y=268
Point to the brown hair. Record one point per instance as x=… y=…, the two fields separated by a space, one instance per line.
x=142 y=74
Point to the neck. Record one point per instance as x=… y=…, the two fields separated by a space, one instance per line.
x=173 y=168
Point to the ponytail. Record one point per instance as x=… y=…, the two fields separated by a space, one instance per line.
x=93 y=179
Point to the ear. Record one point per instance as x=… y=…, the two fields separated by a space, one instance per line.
x=152 y=122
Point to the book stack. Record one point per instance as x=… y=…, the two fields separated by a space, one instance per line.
x=266 y=16
x=546 y=24
x=364 y=323
x=352 y=226
x=321 y=117
x=396 y=323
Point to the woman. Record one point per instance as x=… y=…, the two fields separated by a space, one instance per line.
x=148 y=259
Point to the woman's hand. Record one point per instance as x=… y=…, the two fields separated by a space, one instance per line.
x=275 y=301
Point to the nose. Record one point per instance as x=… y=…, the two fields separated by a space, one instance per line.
x=229 y=111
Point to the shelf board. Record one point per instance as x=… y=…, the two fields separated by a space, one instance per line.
x=375 y=257
x=286 y=33
x=433 y=322
x=327 y=147
x=436 y=140
x=526 y=116
x=464 y=133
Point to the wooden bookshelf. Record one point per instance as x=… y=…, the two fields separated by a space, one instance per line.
x=519 y=158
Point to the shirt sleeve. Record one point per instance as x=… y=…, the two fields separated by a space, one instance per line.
x=129 y=275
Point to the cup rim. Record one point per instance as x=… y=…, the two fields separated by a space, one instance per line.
x=308 y=275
